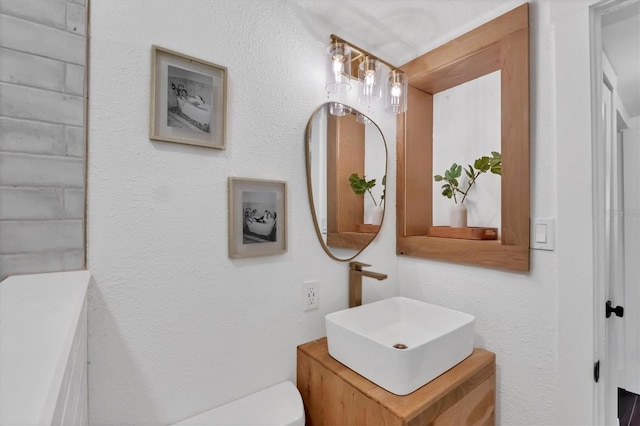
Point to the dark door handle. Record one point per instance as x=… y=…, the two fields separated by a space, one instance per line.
x=618 y=310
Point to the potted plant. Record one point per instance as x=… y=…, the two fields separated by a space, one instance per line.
x=360 y=185
x=451 y=187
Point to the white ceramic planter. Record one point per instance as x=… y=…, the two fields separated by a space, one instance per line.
x=458 y=216
x=376 y=215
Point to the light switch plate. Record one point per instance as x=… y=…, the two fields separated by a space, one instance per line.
x=543 y=234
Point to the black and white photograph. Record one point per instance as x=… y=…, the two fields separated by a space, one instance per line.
x=257 y=217
x=188 y=100
x=260 y=217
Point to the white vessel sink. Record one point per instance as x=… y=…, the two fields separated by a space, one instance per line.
x=428 y=341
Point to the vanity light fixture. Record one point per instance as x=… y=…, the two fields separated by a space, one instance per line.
x=368 y=70
x=370 y=78
x=395 y=100
x=338 y=67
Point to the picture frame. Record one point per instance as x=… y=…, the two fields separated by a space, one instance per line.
x=257 y=217
x=188 y=100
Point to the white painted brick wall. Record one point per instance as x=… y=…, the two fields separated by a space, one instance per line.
x=76 y=18
x=31 y=136
x=29 y=70
x=39 y=39
x=22 y=236
x=41 y=261
x=42 y=135
x=31 y=203
x=74 y=203
x=74 y=80
x=40 y=171
x=74 y=141
x=47 y=12
x=42 y=105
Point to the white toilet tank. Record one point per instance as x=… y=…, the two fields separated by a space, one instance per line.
x=278 y=405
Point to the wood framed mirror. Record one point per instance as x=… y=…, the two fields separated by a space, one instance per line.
x=499 y=45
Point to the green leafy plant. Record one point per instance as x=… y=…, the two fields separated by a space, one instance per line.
x=482 y=165
x=360 y=185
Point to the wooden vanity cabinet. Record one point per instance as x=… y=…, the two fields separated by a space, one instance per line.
x=335 y=395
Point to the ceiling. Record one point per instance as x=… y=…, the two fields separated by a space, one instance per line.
x=621 y=44
x=401 y=30
x=395 y=31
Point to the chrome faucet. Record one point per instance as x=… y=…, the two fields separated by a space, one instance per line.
x=355 y=281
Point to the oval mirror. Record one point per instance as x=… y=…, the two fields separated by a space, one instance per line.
x=346 y=176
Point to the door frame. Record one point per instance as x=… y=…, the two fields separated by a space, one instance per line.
x=576 y=318
x=580 y=306
x=580 y=236
x=601 y=288
x=598 y=173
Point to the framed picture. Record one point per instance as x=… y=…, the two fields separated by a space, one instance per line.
x=188 y=99
x=257 y=217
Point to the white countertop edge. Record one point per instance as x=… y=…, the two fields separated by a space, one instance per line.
x=39 y=314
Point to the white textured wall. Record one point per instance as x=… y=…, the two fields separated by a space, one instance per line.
x=515 y=312
x=466 y=126
x=176 y=327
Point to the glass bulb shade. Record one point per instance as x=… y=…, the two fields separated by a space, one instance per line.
x=395 y=98
x=338 y=68
x=361 y=118
x=370 y=78
x=338 y=109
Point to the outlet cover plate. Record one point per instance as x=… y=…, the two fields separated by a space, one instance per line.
x=311 y=295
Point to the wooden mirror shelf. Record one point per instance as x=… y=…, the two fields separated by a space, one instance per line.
x=501 y=44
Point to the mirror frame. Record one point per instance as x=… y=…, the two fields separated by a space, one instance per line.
x=500 y=44
x=348 y=237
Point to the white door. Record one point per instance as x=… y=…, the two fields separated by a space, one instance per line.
x=620 y=255
x=630 y=371
x=609 y=356
x=617 y=155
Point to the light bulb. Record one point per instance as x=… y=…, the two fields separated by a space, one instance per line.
x=338 y=64
x=338 y=70
x=370 y=77
x=396 y=92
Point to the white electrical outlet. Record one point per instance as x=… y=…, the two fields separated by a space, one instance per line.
x=310 y=295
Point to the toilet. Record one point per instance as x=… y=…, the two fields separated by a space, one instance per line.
x=278 y=405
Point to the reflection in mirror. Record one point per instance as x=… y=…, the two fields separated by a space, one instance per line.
x=347 y=212
x=466 y=126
